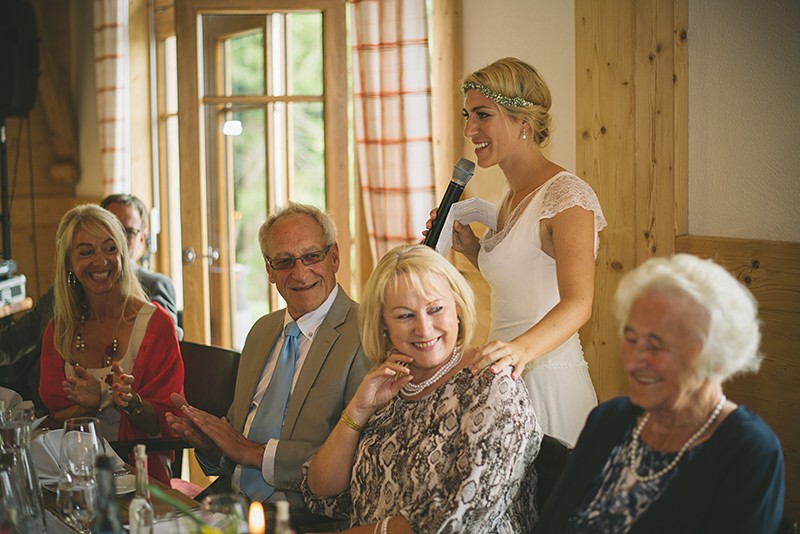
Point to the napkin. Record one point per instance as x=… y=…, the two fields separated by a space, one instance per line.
x=466 y=212
x=13 y=400
x=46 y=451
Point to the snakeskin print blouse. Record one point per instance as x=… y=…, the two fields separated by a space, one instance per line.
x=458 y=460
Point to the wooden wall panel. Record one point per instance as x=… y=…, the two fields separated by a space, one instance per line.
x=34 y=246
x=606 y=122
x=629 y=125
x=771 y=270
x=42 y=155
x=37 y=200
x=632 y=128
x=653 y=155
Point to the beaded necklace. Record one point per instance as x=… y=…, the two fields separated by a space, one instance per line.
x=415 y=389
x=634 y=459
x=80 y=341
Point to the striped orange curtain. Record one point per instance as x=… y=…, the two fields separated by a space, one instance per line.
x=113 y=100
x=392 y=96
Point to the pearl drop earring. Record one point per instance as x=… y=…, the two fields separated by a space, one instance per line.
x=524 y=134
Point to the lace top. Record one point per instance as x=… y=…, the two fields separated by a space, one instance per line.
x=561 y=192
x=459 y=460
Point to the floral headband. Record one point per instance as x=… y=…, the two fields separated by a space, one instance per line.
x=508 y=101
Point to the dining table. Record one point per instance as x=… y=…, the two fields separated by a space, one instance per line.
x=167 y=518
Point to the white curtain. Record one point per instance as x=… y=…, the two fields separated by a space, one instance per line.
x=113 y=100
x=392 y=95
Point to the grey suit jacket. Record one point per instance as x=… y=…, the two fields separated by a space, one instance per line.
x=159 y=288
x=333 y=369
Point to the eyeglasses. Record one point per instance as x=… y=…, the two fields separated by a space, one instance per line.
x=310 y=258
x=132 y=232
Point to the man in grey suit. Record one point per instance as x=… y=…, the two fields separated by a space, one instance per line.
x=21 y=341
x=302 y=258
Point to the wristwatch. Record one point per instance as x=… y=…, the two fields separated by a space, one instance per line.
x=137 y=409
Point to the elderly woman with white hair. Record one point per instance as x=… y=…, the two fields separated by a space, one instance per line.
x=675 y=455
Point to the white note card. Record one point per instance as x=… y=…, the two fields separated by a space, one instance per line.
x=466 y=212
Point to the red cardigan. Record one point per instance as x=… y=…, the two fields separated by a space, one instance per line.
x=157 y=372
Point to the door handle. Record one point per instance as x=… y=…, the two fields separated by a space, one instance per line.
x=189 y=255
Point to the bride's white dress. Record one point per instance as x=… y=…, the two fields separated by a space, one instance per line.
x=524 y=288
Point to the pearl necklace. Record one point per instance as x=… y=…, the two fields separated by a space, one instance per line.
x=633 y=458
x=415 y=389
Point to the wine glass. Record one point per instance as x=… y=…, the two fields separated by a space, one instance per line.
x=77 y=501
x=77 y=490
x=80 y=445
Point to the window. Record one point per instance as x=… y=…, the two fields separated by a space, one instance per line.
x=269 y=132
x=270 y=120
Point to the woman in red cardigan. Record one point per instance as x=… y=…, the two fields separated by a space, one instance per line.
x=109 y=352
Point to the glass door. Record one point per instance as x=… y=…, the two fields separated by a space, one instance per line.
x=262 y=119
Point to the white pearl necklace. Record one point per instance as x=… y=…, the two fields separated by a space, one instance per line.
x=633 y=458
x=415 y=389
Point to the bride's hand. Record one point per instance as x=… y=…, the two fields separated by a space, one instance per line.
x=429 y=222
x=465 y=241
x=499 y=355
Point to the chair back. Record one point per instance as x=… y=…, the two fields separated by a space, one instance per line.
x=209 y=376
x=549 y=464
x=209 y=382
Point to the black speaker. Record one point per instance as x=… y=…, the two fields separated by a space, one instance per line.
x=19 y=58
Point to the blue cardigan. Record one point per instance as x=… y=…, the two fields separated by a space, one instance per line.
x=733 y=483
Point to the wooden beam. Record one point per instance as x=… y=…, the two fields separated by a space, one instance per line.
x=606 y=125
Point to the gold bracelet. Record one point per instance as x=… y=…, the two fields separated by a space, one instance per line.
x=349 y=422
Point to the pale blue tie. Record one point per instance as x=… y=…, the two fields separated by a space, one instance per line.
x=268 y=420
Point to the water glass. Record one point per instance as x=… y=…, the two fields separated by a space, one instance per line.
x=227 y=512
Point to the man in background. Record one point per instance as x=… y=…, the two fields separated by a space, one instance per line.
x=21 y=341
x=132 y=213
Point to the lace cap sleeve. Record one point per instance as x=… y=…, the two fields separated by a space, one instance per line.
x=566 y=191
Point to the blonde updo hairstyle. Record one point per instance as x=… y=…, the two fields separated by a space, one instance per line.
x=512 y=77
x=732 y=337
x=419 y=263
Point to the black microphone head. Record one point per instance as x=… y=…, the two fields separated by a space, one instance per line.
x=463 y=171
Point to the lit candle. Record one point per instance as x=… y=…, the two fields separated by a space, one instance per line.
x=256 y=520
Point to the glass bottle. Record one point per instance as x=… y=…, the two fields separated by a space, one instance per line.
x=140 y=512
x=106 y=520
x=15 y=438
x=282 y=523
x=9 y=494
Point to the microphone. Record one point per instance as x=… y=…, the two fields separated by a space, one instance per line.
x=462 y=172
